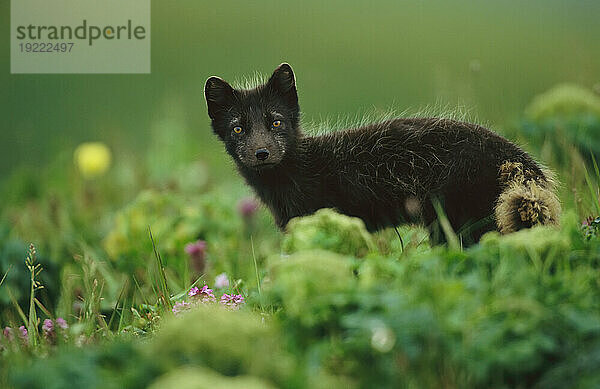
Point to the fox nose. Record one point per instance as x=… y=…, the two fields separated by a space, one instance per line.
x=262 y=154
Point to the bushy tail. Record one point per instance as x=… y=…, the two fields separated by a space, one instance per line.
x=526 y=200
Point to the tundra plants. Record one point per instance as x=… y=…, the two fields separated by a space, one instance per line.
x=522 y=309
x=328 y=304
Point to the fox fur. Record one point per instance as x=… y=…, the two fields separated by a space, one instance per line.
x=385 y=173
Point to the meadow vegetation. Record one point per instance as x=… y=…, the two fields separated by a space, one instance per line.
x=167 y=274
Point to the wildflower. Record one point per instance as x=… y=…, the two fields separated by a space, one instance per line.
x=197 y=252
x=207 y=294
x=61 y=323
x=204 y=295
x=181 y=307
x=48 y=328
x=247 y=207
x=194 y=291
x=232 y=301
x=23 y=333
x=92 y=159
x=221 y=281
x=196 y=248
x=8 y=333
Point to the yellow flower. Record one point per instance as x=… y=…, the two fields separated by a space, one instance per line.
x=92 y=159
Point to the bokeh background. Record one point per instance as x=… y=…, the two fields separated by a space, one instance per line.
x=350 y=57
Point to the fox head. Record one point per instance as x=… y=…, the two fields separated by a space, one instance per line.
x=259 y=126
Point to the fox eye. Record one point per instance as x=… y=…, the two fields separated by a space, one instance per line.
x=276 y=123
x=237 y=129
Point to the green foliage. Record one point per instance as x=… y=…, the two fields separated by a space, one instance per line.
x=515 y=310
x=175 y=221
x=567 y=113
x=231 y=343
x=505 y=312
x=108 y=365
x=337 y=307
x=564 y=100
x=305 y=282
x=202 y=378
x=17 y=282
x=591 y=227
x=128 y=239
x=328 y=230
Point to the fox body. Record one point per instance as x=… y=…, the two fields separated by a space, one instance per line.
x=385 y=173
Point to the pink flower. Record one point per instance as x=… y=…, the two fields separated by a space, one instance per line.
x=221 y=281
x=194 y=291
x=205 y=295
x=206 y=290
x=181 y=307
x=196 y=248
x=23 y=333
x=232 y=301
x=197 y=253
x=247 y=207
x=8 y=334
x=48 y=328
x=61 y=323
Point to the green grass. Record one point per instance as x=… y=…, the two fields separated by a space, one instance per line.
x=334 y=305
x=340 y=307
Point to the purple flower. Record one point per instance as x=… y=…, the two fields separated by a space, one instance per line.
x=221 y=281
x=181 y=307
x=196 y=248
x=194 y=291
x=205 y=295
x=197 y=253
x=23 y=333
x=232 y=301
x=61 y=323
x=8 y=334
x=48 y=325
x=48 y=328
x=247 y=207
x=225 y=298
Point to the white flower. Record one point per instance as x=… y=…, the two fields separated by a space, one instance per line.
x=221 y=281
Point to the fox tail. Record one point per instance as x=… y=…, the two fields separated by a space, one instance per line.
x=526 y=200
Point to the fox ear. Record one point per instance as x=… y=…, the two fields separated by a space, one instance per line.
x=218 y=94
x=283 y=83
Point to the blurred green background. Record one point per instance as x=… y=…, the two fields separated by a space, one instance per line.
x=350 y=57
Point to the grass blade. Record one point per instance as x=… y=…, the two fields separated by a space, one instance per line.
x=17 y=306
x=162 y=278
x=5 y=274
x=255 y=266
x=451 y=237
x=41 y=306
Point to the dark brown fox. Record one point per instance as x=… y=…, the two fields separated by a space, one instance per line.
x=386 y=173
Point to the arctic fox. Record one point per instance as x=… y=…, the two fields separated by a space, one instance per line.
x=388 y=173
